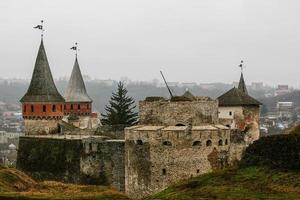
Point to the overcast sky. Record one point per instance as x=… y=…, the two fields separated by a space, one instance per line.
x=190 y=40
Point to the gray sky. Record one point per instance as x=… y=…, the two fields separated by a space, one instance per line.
x=190 y=40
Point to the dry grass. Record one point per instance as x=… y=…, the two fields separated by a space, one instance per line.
x=17 y=185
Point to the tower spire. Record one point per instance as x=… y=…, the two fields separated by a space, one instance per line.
x=75 y=48
x=242 y=86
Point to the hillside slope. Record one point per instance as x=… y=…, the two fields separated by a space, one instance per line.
x=17 y=185
x=249 y=183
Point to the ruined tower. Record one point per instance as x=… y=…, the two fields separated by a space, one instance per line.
x=42 y=105
x=239 y=110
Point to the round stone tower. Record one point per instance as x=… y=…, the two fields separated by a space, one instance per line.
x=42 y=105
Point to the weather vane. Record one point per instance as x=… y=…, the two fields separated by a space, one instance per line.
x=75 y=48
x=241 y=65
x=41 y=27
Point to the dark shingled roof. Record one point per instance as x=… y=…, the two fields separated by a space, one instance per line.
x=236 y=97
x=76 y=91
x=242 y=85
x=42 y=87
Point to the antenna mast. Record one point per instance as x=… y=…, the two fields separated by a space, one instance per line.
x=166 y=84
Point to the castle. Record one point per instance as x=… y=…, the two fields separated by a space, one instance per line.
x=175 y=139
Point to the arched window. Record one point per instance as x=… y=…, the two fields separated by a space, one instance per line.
x=226 y=142
x=32 y=108
x=53 y=108
x=139 y=142
x=220 y=142
x=167 y=143
x=44 y=108
x=208 y=143
x=196 y=143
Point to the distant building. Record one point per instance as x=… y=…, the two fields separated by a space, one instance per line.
x=285 y=109
x=257 y=85
x=282 y=90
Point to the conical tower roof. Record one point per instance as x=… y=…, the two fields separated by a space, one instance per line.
x=242 y=86
x=76 y=91
x=42 y=87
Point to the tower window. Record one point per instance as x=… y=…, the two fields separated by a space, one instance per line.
x=164 y=171
x=226 y=142
x=32 y=108
x=197 y=143
x=230 y=113
x=167 y=143
x=53 y=108
x=198 y=171
x=88 y=106
x=71 y=106
x=65 y=107
x=220 y=143
x=78 y=106
x=208 y=143
x=44 y=108
x=24 y=108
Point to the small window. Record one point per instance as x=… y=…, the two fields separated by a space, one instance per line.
x=44 y=108
x=228 y=125
x=208 y=143
x=167 y=143
x=90 y=146
x=226 y=142
x=196 y=143
x=198 y=171
x=71 y=106
x=78 y=106
x=164 y=171
x=65 y=107
x=32 y=108
x=220 y=143
x=179 y=124
x=53 y=108
x=61 y=107
x=139 y=142
x=24 y=108
x=88 y=106
x=230 y=113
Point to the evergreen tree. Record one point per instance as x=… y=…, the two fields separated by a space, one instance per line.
x=121 y=109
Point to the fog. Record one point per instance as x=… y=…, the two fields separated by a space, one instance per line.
x=190 y=40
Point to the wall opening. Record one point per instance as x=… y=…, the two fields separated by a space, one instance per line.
x=226 y=142
x=198 y=171
x=208 y=143
x=139 y=142
x=220 y=142
x=32 y=108
x=164 y=171
x=71 y=106
x=24 y=108
x=180 y=124
x=78 y=106
x=228 y=125
x=90 y=146
x=230 y=113
x=167 y=143
x=197 y=143
x=53 y=108
x=44 y=108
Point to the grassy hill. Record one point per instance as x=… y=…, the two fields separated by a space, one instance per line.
x=249 y=183
x=17 y=185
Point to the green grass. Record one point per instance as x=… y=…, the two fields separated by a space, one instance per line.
x=249 y=183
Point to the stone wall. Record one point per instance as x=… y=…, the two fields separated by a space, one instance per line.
x=89 y=160
x=40 y=126
x=157 y=156
x=170 y=113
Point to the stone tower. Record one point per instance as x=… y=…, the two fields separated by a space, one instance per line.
x=238 y=110
x=42 y=105
x=78 y=103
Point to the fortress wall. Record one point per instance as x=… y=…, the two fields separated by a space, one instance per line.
x=172 y=113
x=40 y=126
x=167 y=155
x=90 y=160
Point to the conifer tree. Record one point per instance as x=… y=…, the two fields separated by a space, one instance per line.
x=120 y=110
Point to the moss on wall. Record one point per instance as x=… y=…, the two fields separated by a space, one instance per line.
x=47 y=158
